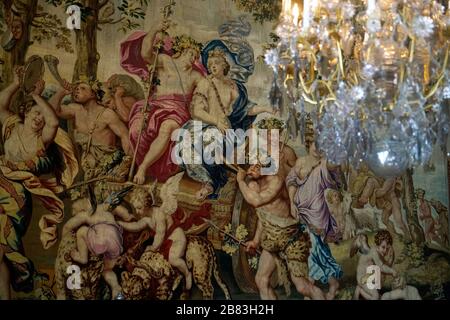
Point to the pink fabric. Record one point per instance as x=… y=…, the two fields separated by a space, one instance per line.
x=130 y=53
x=106 y=239
x=132 y=61
x=172 y=107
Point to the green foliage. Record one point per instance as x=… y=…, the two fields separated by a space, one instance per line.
x=128 y=13
x=48 y=26
x=413 y=253
x=262 y=10
x=272 y=44
x=132 y=14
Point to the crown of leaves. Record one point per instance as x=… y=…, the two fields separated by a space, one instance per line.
x=271 y=123
x=95 y=85
x=184 y=42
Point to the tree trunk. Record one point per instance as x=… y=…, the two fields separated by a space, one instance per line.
x=86 y=44
x=410 y=205
x=16 y=57
x=448 y=179
x=18 y=54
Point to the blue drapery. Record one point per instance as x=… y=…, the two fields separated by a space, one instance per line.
x=239 y=118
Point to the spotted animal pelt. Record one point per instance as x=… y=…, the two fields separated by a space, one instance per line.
x=91 y=273
x=154 y=278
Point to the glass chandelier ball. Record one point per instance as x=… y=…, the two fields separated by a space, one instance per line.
x=388 y=158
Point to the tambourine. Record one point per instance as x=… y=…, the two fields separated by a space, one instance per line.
x=33 y=72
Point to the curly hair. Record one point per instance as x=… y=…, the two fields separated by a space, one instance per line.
x=183 y=43
x=420 y=190
x=95 y=85
x=218 y=53
x=329 y=194
x=383 y=235
x=131 y=86
x=141 y=194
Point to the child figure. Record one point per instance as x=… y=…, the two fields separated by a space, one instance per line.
x=337 y=208
x=100 y=234
x=159 y=220
x=382 y=255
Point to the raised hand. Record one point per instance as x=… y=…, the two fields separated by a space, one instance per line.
x=241 y=175
x=39 y=87
x=119 y=92
x=18 y=74
x=67 y=87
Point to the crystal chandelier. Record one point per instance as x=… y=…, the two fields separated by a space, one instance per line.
x=372 y=74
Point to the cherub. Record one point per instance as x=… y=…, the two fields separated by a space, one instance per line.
x=350 y=220
x=382 y=255
x=159 y=220
x=99 y=233
x=339 y=207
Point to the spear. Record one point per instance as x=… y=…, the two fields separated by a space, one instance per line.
x=167 y=12
x=240 y=242
x=110 y=179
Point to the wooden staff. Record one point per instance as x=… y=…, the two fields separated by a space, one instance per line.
x=167 y=12
x=240 y=242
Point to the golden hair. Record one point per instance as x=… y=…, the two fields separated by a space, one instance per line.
x=183 y=43
x=218 y=53
x=141 y=194
x=330 y=193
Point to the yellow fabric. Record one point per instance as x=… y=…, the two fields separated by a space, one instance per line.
x=45 y=189
x=66 y=146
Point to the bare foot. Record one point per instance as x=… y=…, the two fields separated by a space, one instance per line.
x=189 y=281
x=330 y=295
x=205 y=191
x=332 y=291
x=74 y=255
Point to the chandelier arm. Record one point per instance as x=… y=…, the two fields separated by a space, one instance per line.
x=307 y=99
x=435 y=87
x=412 y=49
x=441 y=77
x=341 y=62
x=302 y=81
x=445 y=60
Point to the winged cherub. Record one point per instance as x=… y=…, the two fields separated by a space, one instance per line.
x=160 y=221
